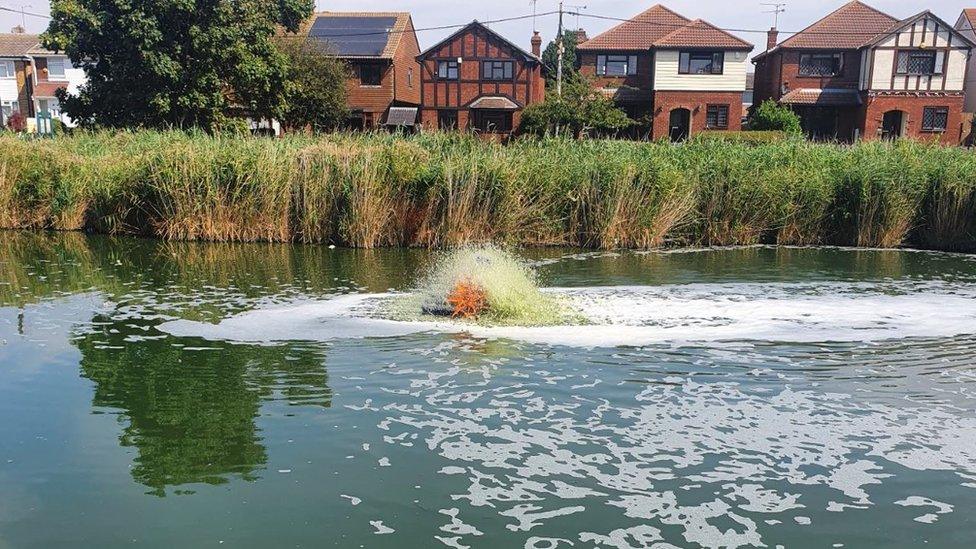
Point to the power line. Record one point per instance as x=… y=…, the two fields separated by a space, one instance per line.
x=423 y=29
x=21 y=12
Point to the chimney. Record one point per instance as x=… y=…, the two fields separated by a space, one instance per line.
x=581 y=36
x=772 y=38
x=18 y=30
x=536 y=44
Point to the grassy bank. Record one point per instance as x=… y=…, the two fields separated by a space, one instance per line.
x=441 y=190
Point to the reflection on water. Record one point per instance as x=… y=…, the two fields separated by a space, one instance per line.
x=445 y=439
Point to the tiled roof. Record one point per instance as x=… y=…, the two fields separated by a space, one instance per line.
x=663 y=28
x=393 y=37
x=494 y=102
x=970 y=15
x=47 y=89
x=829 y=97
x=402 y=116
x=849 y=27
x=639 y=32
x=476 y=25
x=700 y=33
x=17 y=45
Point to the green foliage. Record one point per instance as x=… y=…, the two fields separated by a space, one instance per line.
x=315 y=87
x=435 y=189
x=580 y=111
x=173 y=63
x=752 y=136
x=771 y=116
x=550 y=59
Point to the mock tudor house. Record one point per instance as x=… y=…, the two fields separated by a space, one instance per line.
x=476 y=79
x=31 y=75
x=380 y=48
x=859 y=73
x=966 y=25
x=682 y=75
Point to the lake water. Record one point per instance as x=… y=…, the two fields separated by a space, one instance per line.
x=197 y=395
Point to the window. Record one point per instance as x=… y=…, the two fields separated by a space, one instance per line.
x=8 y=108
x=935 y=119
x=370 y=75
x=497 y=70
x=717 y=116
x=55 y=67
x=447 y=120
x=918 y=62
x=701 y=62
x=447 y=70
x=616 y=65
x=410 y=78
x=493 y=121
x=821 y=64
x=7 y=69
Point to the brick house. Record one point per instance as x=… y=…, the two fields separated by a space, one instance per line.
x=681 y=75
x=476 y=79
x=380 y=49
x=31 y=75
x=859 y=73
x=16 y=74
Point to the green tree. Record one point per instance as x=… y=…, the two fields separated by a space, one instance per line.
x=550 y=59
x=581 y=111
x=771 y=116
x=315 y=86
x=174 y=63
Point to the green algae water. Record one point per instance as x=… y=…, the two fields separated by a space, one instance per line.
x=194 y=395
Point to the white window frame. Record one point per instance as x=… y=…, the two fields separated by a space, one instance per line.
x=10 y=69
x=64 y=68
x=13 y=106
x=629 y=64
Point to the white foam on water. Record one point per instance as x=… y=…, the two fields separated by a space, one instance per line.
x=640 y=315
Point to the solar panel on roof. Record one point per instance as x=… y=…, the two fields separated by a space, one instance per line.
x=360 y=36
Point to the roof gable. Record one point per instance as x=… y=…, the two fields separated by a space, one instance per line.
x=659 y=27
x=700 y=33
x=639 y=32
x=359 y=35
x=927 y=15
x=850 y=26
x=967 y=20
x=476 y=25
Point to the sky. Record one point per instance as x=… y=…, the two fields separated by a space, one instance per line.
x=730 y=14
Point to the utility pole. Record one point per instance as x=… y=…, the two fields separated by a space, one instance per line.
x=560 y=49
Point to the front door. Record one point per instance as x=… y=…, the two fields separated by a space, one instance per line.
x=679 y=125
x=892 y=124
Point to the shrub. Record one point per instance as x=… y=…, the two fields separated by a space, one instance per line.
x=581 y=111
x=771 y=116
x=17 y=123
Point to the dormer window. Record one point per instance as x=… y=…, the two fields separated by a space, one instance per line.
x=616 y=65
x=55 y=68
x=701 y=62
x=918 y=62
x=821 y=64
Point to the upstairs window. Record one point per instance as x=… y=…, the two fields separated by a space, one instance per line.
x=918 y=62
x=497 y=70
x=717 y=117
x=701 y=62
x=616 y=65
x=821 y=64
x=935 y=119
x=370 y=75
x=447 y=70
x=55 y=67
x=7 y=69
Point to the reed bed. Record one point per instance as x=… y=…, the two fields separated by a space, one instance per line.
x=441 y=190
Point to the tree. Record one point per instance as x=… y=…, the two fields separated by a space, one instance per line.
x=173 y=63
x=581 y=111
x=770 y=116
x=550 y=59
x=315 y=86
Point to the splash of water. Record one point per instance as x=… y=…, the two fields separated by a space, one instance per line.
x=510 y=287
